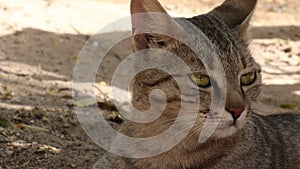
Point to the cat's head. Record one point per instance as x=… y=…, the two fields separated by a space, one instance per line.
x=226 y=27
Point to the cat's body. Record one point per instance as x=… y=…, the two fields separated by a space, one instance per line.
x=243 y=139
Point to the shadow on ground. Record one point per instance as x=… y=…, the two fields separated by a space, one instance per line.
x=279 y=32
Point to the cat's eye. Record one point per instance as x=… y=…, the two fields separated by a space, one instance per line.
x=200 y=80
x=248 y=78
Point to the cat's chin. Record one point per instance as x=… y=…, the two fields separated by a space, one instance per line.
x=225 y=131
x=230 y=129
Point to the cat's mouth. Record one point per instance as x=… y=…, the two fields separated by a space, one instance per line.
x=229 y=125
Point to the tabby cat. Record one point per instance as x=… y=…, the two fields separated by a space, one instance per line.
x=243 y=138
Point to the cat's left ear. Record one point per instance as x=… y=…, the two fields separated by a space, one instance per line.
x=235 y=13
x=148 y=15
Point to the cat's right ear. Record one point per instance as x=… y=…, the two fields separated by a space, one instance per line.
x=150 y=15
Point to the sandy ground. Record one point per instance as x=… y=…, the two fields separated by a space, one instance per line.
x=40 y=41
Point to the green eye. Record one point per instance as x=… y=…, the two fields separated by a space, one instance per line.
x=248 y=78
x=200 y=80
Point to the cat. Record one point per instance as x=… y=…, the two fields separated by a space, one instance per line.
x=246 y=139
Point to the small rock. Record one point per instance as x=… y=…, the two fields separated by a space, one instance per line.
x=287 y=50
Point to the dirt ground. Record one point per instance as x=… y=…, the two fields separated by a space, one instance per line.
x=40 y=41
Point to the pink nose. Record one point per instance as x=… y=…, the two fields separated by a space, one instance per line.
x=236 y=111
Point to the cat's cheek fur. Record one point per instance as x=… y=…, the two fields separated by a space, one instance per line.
x=253 y=91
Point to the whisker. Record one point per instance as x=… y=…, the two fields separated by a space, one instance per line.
x=195 y=131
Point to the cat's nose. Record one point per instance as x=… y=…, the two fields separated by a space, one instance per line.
x=236 y=111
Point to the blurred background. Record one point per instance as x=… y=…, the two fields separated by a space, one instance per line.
x=40 y=41
x=87 y=16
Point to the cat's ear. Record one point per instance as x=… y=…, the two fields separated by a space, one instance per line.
x=141 y=6
x=143 y=18
x=235 y=13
